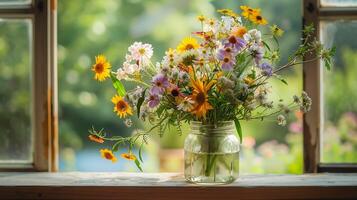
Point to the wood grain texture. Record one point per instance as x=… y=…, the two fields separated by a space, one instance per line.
x=312 y=122
x=172 y=186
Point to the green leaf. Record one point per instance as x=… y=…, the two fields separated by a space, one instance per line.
x=281 y=79
x=239 y=129
x=284 y=81
x=327 y=64
x=140 y=156
x=137 y=163
x=160 y=110
x=266 y=45
x=118 y=85
x=276 y=40
x=140 y=102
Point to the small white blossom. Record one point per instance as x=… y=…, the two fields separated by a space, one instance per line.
x=227 y=23
x=186 y=104
x=281 y=120
x=141 y=52
x=121 y=74
x=130 y=68
x=253 y=36
x=128 y=123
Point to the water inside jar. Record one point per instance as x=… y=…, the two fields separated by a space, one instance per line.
x=206 y=168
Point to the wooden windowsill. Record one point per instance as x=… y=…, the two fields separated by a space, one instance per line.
x=82 y=185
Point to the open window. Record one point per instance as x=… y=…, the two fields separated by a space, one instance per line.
x=28 y=78
x=330 y=127
x=28 y=93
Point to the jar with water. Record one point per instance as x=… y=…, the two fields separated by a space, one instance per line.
x=212 y=153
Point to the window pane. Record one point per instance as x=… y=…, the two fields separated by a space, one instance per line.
x=340 y=93
x=339 y=3
x=15 y=2
x=15 y=91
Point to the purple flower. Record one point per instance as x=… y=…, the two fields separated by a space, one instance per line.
x=153 y=100
x=235 y=42
x=160 y=83
x=227 y=59
x=266 y=68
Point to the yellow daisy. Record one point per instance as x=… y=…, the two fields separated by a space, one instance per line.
x=258 y=19
x=201 y=18
x=108 y=154
x=187 y=44
x=121 y=107
x=248 y=11
x=248 y=80
x=228 y=12
x=101 y=68
x=128 y=156
x=276 y=31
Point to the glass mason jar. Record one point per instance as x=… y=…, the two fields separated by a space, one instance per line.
x=212 y=153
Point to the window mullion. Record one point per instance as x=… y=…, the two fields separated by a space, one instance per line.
x=312 y=122
x=45 y=103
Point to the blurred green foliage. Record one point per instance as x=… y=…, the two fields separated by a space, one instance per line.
x=15 y=90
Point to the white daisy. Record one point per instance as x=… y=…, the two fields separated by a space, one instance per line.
x=141 y=53
x=186 y=104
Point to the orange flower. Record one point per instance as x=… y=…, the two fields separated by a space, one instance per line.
x=128 y=156
x=96 y=138
x=200 y=97
x=239 y=31
x=108 y=154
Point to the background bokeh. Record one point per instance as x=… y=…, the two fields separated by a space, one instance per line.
x=89 y=27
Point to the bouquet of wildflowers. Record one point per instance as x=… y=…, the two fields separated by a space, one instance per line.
x=219 y=73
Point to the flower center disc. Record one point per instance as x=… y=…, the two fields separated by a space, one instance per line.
x=99 y=68
x=200 y=98
x=175 y=93
x=121 y=106
x=232 y=40
x=189 y=46
x=108 y=156
x=142 y=51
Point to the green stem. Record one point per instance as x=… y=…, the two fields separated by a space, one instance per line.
x=211 y=159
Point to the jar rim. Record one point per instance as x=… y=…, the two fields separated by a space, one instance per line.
x=220 y=128
x=219 y=123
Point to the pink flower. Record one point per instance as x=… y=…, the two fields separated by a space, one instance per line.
x=227 y=59
x=153 y=100
x=160 y=83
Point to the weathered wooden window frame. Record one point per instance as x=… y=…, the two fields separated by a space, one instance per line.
x=315 y=13
x=42 y=14
x=45 y=124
